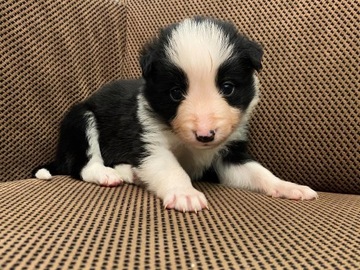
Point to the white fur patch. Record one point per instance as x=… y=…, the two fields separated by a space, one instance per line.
x=185 y=200
x=253 y=176
x=126 y=173
x=195 y=161
x=92 y=136
x=43 y=174
x=155 y=133
x=97 y=173
x=198 y=47
x=255 y=100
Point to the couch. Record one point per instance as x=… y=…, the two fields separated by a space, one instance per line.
x=305 y=129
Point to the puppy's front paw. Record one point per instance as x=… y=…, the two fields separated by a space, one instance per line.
x=110 y=178
x=292 y=191
x=101 y=175
x=185 y=200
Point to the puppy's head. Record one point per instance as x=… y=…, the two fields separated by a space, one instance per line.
x=200 y=79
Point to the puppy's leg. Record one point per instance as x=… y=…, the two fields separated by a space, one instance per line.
x=164 y=176
x=253 y=176
x=95 y=171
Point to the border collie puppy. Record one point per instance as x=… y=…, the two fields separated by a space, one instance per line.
x=188 y=114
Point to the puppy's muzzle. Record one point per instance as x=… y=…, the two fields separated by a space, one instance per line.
x=205 y=137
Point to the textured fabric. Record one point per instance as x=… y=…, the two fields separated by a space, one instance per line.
x=306 y=127
x=69 y=224
x=52 y=54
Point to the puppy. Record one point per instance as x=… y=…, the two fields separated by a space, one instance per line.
x=187 y=114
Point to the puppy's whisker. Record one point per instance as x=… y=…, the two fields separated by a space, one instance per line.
x=211 y=62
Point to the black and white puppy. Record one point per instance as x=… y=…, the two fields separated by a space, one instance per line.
x=187 y=114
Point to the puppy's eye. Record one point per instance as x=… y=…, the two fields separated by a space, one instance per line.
x=176 y=94
x=227 y=88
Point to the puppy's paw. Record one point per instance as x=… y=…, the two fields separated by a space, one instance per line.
x=101 y=175
x=126 y=173
x=110 y=178
x=292 y=191
x=185 y=200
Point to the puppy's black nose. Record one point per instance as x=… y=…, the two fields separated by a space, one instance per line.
x=204 y=138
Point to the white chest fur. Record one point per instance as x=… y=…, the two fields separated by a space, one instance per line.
x=194 y=161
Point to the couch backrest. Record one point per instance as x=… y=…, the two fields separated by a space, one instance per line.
x=305 y=128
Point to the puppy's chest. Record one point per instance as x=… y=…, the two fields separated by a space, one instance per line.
x=194 y=162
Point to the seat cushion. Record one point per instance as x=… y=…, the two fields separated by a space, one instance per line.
x=70 y=224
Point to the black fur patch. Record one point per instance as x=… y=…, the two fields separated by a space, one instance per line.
x=115 y=109
x=236 y=153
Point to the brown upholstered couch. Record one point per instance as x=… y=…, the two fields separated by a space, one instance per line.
x=54 y=53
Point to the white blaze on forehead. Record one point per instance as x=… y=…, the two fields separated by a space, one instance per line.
x=198 y=47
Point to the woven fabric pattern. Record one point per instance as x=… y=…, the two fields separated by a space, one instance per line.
x=69 y=224
x=55 y=53
x=52 y=54
x=306 y=127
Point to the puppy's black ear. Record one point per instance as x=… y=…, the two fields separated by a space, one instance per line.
x=147 y=58
x=254 y=53
x=153 y=52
